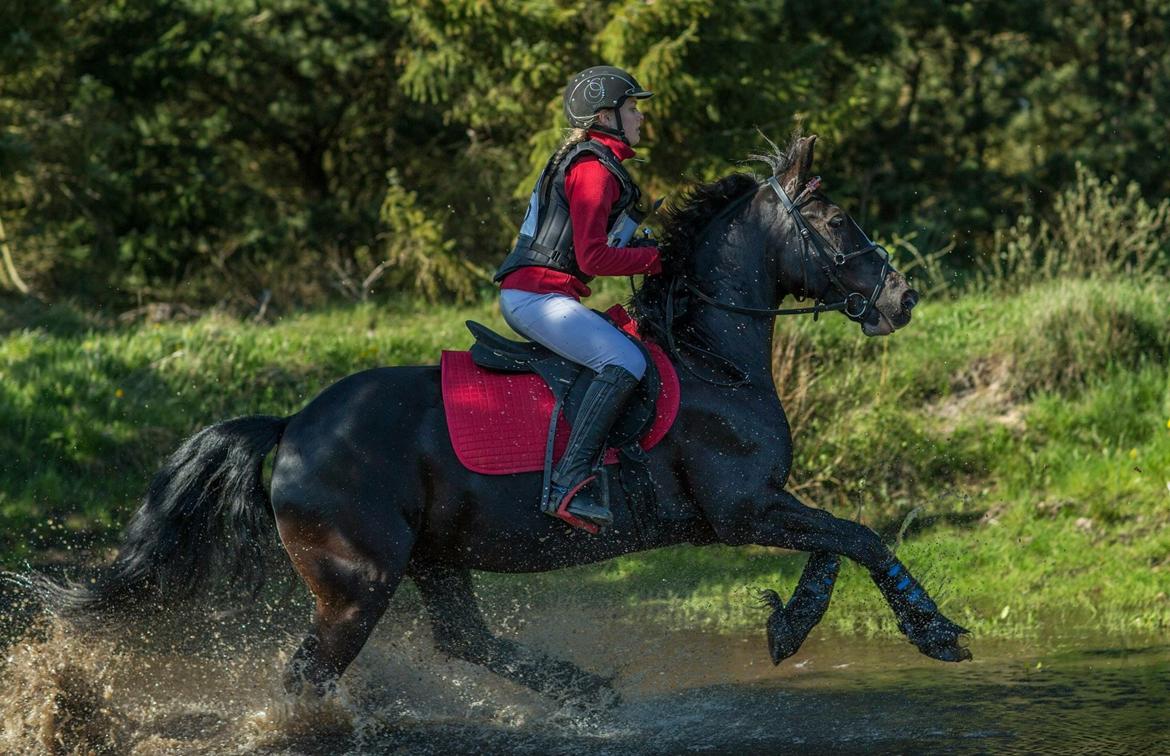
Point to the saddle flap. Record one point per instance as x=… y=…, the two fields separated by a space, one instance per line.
x=490 y=341
x=493 y=359
x=561 y=375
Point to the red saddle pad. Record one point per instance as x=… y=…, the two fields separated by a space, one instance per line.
x=498 y=421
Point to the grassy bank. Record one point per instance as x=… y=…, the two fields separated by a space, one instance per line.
x=1020 y=444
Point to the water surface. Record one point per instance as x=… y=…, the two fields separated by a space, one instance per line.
x=214 y=689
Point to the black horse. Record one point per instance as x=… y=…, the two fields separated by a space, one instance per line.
x=366 y=488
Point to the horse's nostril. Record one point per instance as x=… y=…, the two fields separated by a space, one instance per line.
x=909 y=299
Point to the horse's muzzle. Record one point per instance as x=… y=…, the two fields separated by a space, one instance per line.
x=892 y=309
x=902 y=317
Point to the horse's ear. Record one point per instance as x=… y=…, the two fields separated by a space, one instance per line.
x=805 y=159
x=800 y=168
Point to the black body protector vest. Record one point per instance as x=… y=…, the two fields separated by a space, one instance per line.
x=546 y=236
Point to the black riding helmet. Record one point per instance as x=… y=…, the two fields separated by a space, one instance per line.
x=598 y=88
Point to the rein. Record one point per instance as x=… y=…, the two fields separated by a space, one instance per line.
x=810 y=238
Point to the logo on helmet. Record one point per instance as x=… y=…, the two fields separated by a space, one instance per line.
x=594 y=91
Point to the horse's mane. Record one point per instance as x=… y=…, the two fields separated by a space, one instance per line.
x=684 y=222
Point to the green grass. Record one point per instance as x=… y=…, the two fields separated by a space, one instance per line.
x=89 y=413
x=1029 y=432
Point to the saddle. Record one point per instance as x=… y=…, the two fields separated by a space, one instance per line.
x=509 y=405
x=567 y=380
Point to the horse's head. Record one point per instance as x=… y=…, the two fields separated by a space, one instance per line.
x=825 y=255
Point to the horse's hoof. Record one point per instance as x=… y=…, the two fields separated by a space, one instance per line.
x=939 y=639
x=955 y=653
x=789 y=624
x=782 y=639
x=607 y=699
x=590 y=691
x=588 y=708
x=947 y=652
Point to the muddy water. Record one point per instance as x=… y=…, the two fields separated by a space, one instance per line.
x=212 y=688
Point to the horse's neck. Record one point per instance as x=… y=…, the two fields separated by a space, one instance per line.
x=738 y=275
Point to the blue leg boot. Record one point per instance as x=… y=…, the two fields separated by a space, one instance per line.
x=917 y=614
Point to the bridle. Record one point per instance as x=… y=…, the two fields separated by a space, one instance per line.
x=831 y=260
x=814 y=248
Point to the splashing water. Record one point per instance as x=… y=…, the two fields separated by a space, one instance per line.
x=57 y=695
x=214 y=687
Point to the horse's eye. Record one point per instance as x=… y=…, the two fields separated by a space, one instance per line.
x=836 y=221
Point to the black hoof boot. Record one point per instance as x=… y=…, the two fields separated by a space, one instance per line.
x=918 y=616
x=789 y=625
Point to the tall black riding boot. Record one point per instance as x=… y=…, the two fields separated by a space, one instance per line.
x=572 y=478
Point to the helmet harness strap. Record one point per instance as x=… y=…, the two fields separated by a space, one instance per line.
x=616 y=130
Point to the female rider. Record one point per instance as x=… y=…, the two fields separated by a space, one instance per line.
x=577 y=227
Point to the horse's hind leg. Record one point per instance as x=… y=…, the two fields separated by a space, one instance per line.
x=460 y=631
x=352 y=579
x=788 y=523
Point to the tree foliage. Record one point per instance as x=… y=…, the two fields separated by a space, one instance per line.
x=207 y=149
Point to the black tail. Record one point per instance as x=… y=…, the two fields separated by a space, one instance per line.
x=206 y=514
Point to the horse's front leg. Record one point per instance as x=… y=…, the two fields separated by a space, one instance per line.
x=784 y=521
x=789 y=624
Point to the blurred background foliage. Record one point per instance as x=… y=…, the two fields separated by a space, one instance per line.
x=234 y=152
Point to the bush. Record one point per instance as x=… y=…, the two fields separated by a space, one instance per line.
x=1098 y=228
x=420 y=255
x=1080 y=330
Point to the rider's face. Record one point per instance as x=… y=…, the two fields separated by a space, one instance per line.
x=631 y=120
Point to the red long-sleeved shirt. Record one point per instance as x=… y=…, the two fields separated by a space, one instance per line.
x=591 y=190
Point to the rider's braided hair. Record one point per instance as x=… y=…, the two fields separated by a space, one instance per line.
x=575 y=137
